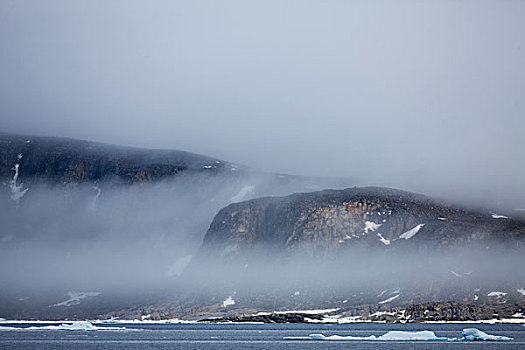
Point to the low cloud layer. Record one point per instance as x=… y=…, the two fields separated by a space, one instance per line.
x=421 y=96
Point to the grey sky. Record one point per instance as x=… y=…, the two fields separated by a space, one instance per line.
x=422 y=95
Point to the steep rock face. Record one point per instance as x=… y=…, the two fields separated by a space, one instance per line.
x=322 y=223
x=62 y=160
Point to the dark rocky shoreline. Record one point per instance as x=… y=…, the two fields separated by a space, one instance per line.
x=450 y=311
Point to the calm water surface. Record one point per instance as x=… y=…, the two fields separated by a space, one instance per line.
x=250 y=336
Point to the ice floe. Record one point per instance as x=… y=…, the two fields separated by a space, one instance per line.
x=468 y=334
x=521 y=291
x=476 y=334
x=74 y=326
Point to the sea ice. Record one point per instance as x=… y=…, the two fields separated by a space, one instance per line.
x=476 y=334
x=468 y=334
x=75 y=326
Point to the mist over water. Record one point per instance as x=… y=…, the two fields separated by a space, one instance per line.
x=420 y=96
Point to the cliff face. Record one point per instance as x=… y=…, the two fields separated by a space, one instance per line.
x=327 y=222
x=357 y=249
x=64 y=161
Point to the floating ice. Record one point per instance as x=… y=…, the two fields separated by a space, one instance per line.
x=409 y=234
x=468 y=334
x=496 y=294
x=521 y=291
x=75 y=326
x=476 y=334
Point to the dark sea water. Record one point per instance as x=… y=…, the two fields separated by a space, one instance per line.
x=250 y=336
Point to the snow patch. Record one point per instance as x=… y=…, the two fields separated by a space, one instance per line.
x=382 y=293
x=389 y=299
x=411 y=233
x=497 y=216
x=76 y=297
x=17 y=191
x=383 y=239
x=243 y=193
x=179 y=266
x=93 y=204
x=372 y=226
x=310 y=312
x=228 y=302
x=496 y=294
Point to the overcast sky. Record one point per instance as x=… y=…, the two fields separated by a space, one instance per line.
x=423 y=95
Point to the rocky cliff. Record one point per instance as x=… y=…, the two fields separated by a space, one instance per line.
x=326 y=222
x=65 y=161
x=358 y=249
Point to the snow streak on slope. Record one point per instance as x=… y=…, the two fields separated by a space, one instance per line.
x=243 y=193
x=411 y=233
x=76 y=297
